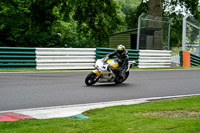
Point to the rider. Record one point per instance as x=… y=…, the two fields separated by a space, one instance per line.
x=122 y=59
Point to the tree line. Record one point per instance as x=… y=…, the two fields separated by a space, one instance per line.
x=78 y=23
x=58 y=23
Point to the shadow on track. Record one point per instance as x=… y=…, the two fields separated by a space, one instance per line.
x=111 y=85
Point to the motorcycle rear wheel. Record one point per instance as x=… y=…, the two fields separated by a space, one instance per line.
x=119 y=81
x=126 y=76
x=90 y=79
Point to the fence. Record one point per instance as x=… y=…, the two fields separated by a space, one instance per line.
x=153 y=32
x=65 y=58
x=16 y=57
x=154 y=58
x=194 y=60
x=143 y=58
x=191 y=35
x=74 y=58
x=187 y=59
x=102 y=52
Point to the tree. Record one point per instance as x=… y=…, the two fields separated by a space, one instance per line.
x=186 y=7
x=155 y=10
x=39 y=22
x=132 y=16
x=168 y=10
x=97 y=19
x=126 y=7
x=13 y=16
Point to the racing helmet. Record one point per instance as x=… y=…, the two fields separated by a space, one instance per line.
x=121 y=49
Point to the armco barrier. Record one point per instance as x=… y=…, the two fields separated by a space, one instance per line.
x=181 y=58
x=194 y=60
x=17 y=57
x=65 y=58
x=76 y=58
x=102 y=52
x=154 y=58
x=187 y=59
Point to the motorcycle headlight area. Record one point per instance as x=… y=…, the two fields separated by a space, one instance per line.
x=98 y=64
x=102 y=67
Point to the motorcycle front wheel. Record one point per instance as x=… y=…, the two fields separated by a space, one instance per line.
x=91 y=79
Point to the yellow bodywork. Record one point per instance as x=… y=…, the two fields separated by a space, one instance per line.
x=113 y=64
x=97 y=72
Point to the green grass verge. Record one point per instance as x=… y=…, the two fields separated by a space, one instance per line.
x=165 y=116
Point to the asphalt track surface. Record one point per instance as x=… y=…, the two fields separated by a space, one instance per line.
x=45 y=89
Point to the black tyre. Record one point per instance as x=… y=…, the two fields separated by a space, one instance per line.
x=91 y=79
x=126 y=76
x=119 y=81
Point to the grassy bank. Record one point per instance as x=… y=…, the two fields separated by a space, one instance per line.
x=166 y=116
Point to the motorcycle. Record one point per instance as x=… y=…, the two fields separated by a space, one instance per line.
x=104 y=72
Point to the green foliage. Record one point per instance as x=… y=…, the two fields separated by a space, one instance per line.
x=187 y=6
x=57 y=23
x=132 y=17
x=79 y=23
x=128 y=14
x=13 y=17
x=97 y=19
x=166 y=116
x=128 y=5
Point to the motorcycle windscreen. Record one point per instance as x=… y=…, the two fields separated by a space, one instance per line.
x=113 y=64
